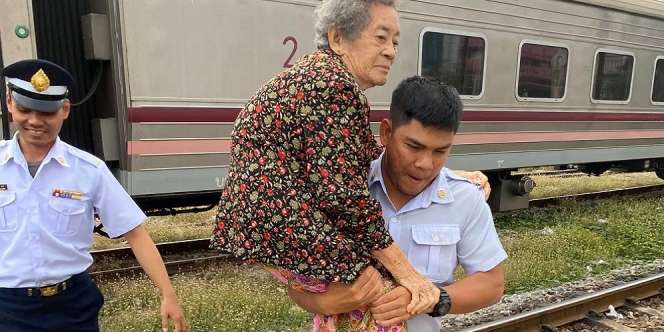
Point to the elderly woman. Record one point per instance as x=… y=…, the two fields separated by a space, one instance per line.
x=296 y=197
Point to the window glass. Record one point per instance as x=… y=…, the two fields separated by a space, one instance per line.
x=542 y=71
x=613 y=76
x=658 y=84
x=454 y=59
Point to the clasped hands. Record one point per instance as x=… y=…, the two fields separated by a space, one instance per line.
x=367 y=293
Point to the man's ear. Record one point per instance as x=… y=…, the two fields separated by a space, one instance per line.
x=10 y=104
x=66 y=107
x=386 y=131
x=335 y=40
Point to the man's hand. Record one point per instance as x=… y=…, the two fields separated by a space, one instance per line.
x=390 y=309
x=341 y=297
x=477 y=178
x=171 y=310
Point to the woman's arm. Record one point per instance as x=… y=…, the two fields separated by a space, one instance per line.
x=341 y=297
x=424 y=293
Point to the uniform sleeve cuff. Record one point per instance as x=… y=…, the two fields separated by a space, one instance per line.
x=486 y=265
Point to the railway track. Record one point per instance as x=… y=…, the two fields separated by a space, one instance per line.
x=588 y=309
x=567 y=173
x=557 y=200
x=173 y=252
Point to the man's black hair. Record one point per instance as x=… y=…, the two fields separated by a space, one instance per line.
x=432 y=103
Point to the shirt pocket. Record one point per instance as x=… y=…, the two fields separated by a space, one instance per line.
x=433 y=251
x=67 y=216
x=7 y=212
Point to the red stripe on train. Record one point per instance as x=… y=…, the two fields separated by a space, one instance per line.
x=202 y=146
x=226 y=114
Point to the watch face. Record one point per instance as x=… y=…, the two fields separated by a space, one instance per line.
x=444 y=303
x=444 y=307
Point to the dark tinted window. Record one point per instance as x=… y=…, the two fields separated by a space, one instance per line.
x=454 y=59
x=658 y=85
x=613 y=76
x=542 y=71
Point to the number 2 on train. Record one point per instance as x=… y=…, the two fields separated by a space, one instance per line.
x=287 y=63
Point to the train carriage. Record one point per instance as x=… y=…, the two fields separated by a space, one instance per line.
x=544 y=82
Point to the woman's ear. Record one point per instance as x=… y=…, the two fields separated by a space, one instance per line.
x=335 y=40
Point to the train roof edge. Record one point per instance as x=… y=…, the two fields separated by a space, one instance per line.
x=650 y=8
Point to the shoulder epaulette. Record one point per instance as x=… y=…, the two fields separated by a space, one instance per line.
x=451 y=175
x=96 y=162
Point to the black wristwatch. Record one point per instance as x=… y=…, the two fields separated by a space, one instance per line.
x=443 y=306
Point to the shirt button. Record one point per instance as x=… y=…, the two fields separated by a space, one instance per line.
x=435 y=237
x=395 y=220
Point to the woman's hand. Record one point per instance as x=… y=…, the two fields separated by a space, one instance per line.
x=341 y=297
x=424 y=293
x=477 y=178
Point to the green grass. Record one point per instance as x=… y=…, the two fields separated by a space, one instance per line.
x=199 y=225
x=551 y=246
x=169 y=228
x=546 y=247
x=227 y=298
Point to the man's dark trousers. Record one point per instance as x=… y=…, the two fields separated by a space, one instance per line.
x=75 y=309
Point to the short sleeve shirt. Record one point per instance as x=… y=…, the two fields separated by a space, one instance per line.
x=446 y=225
x=46 y=222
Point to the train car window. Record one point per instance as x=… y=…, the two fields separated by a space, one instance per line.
x=613 y=74
x=457 y=59
x=542 y=72
x=658 y=82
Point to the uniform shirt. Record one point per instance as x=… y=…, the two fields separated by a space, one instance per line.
x=447 y=224
x=46 y=222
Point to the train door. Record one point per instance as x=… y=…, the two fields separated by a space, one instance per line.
x=4 y=118
x=58 y=38
x=16 y=43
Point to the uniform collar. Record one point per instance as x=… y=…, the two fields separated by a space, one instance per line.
x=437 y=192
x=13 y=151
x=58 y=153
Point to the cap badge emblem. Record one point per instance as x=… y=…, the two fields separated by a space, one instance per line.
x=40 y=81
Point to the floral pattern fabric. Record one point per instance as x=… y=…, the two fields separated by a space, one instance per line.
x=296 y=196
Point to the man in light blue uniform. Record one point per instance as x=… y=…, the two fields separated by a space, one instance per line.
x=440 y=220
x=48 y=190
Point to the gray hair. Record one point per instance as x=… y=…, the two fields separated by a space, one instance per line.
x=349 y=16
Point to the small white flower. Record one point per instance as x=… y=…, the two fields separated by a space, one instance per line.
x=613 y=314
x=547 y=231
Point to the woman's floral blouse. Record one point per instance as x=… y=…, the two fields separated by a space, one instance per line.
x=296 y=195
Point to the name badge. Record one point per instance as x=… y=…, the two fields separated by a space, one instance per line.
x=70 y=194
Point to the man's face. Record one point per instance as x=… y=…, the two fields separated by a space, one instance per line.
x=414 y=156
x=37 y=129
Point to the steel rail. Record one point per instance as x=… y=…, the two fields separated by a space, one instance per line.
x=549 y=173
x=173 y=267
x=548 y=201
x=165 y=248
x=188 y=265
x=576 y=309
